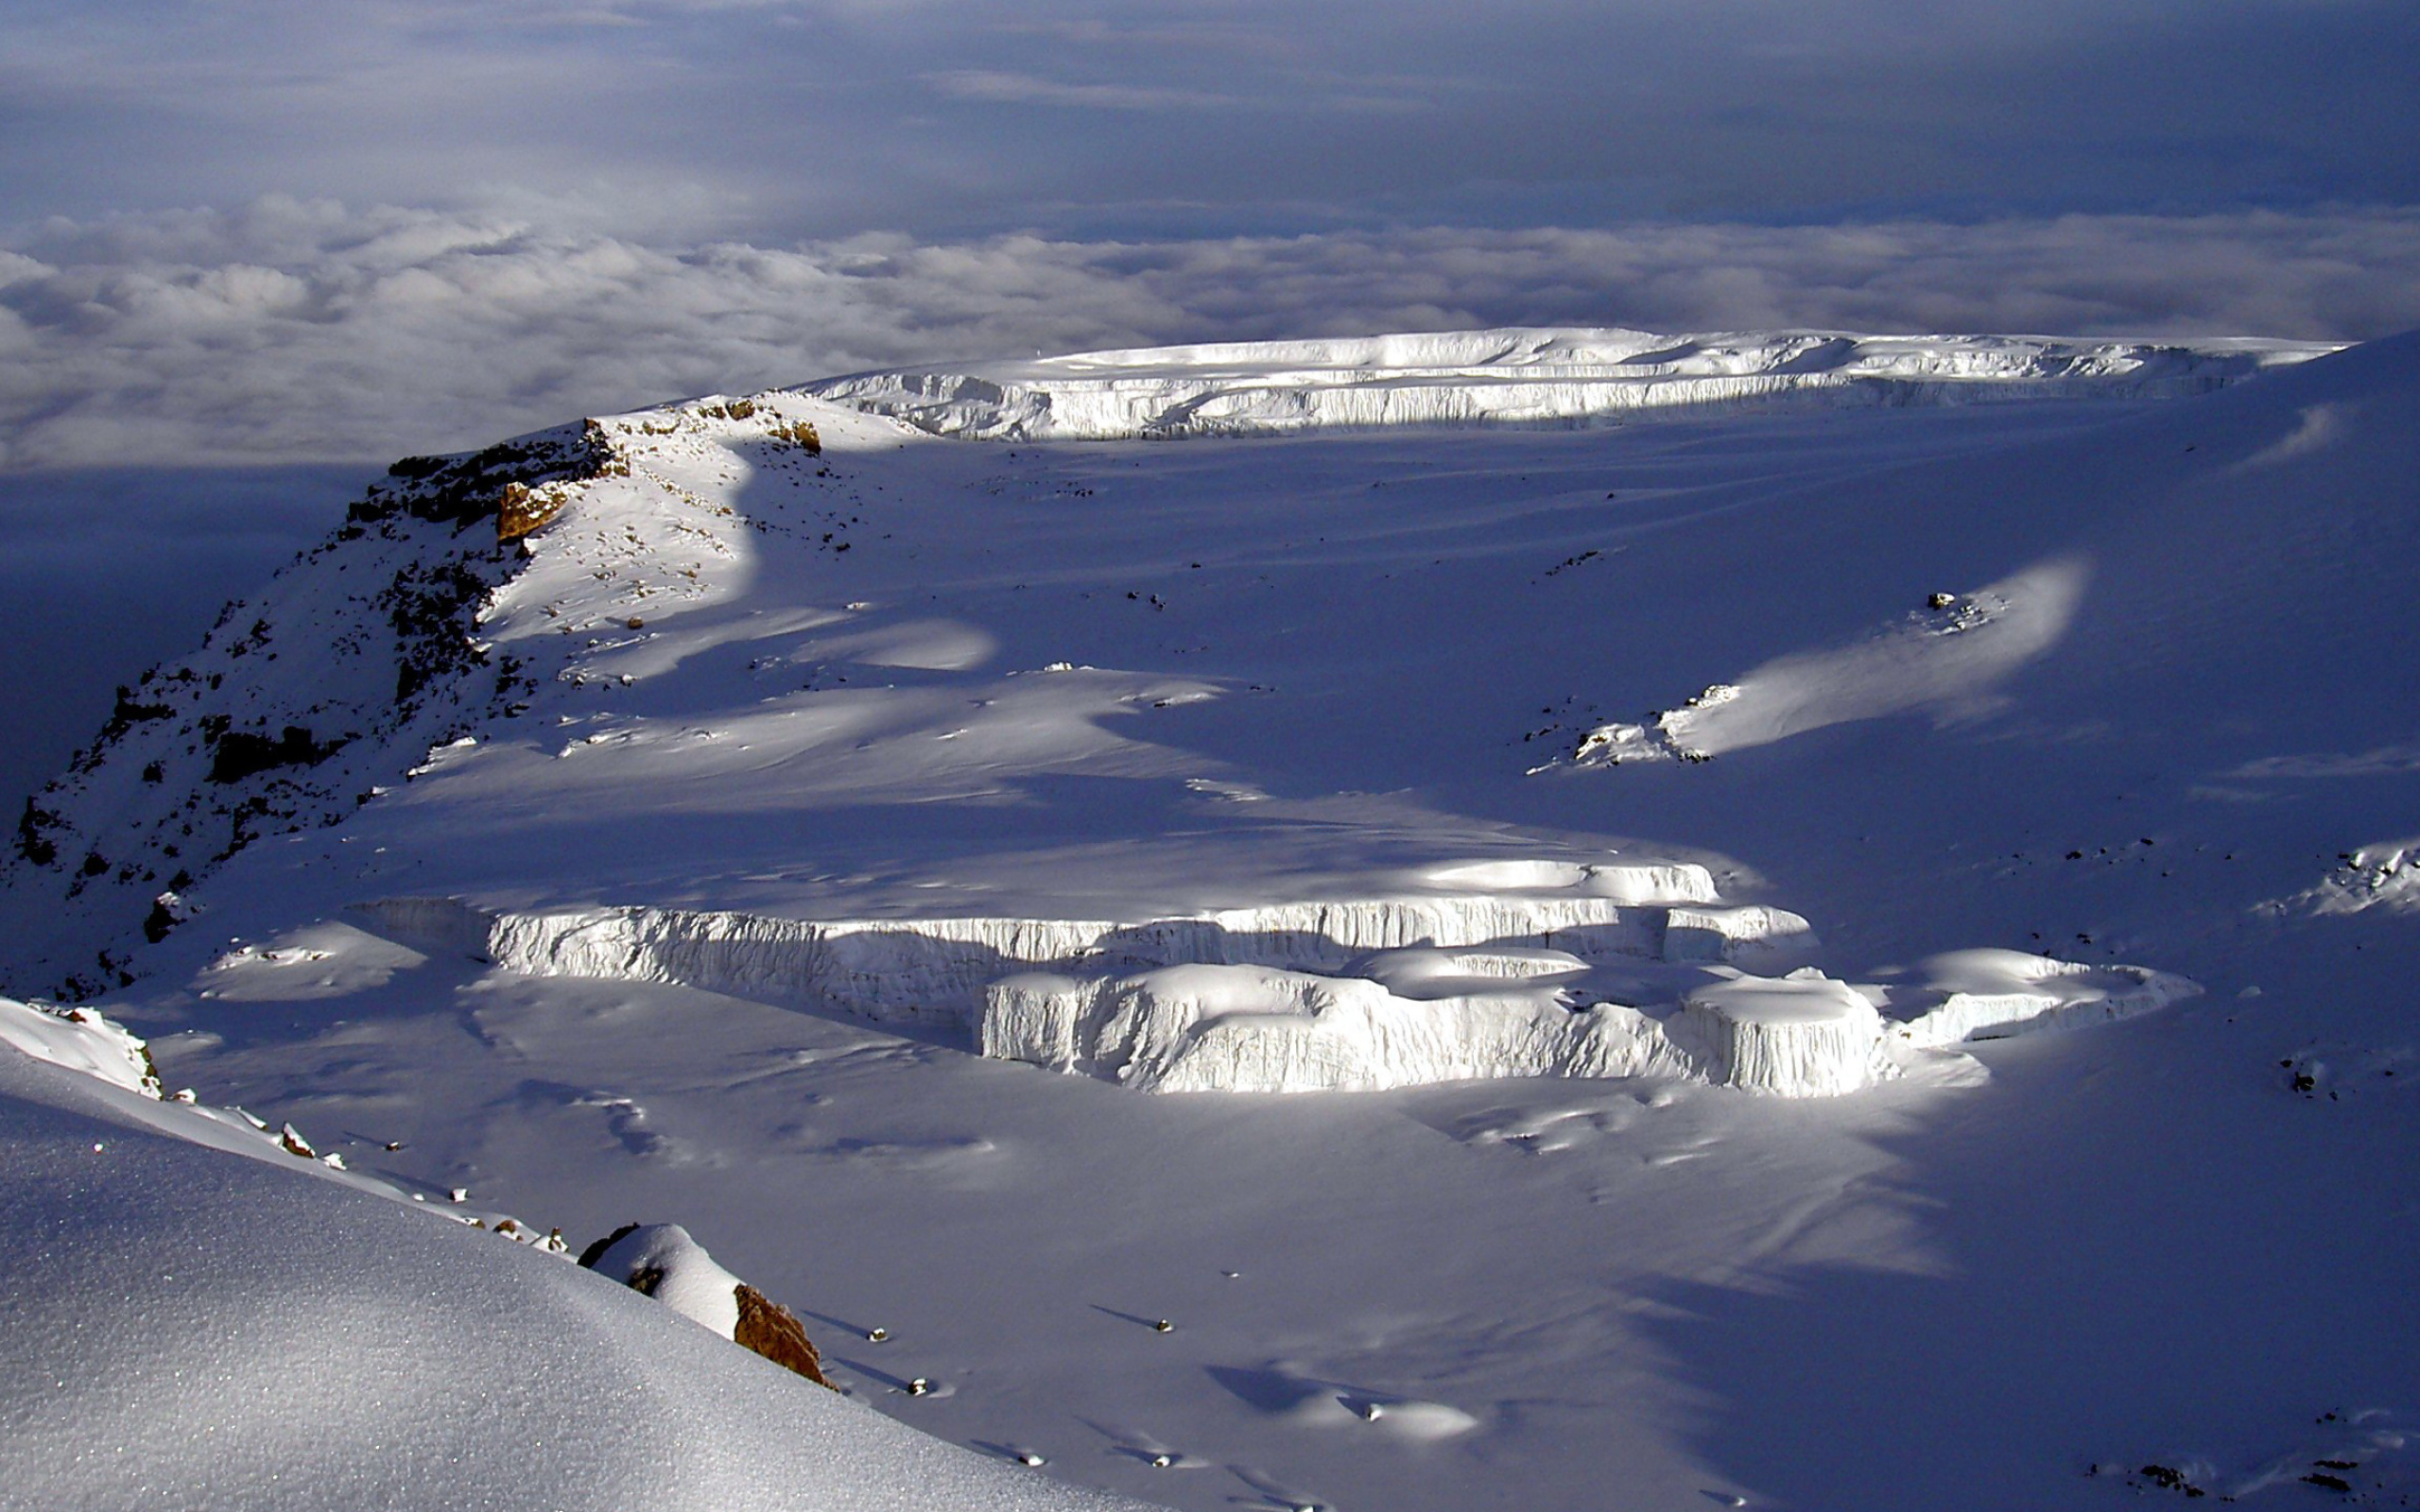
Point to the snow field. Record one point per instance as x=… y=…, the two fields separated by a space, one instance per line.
x=1313 y=668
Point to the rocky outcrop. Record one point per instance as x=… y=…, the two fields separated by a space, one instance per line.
x=774 y=1332
x=338 y=677
x=663 y=1261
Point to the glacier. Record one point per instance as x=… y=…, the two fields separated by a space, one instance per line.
x=1521 y=377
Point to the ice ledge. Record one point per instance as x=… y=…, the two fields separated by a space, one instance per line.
x=1245 y=1028
x=1348 y=994
x=934 y=969
x=1522 y=377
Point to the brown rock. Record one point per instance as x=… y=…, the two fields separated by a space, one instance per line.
x=522 y=509
x=773 y=1330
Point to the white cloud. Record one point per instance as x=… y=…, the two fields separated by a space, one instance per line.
x=294 y=330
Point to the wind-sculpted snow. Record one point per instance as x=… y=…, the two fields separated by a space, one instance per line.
x=1520 y=377
x=1948 y=656
x=1989 y=994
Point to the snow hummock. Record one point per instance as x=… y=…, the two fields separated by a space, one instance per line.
x=1991 y=994
x=683 y=1277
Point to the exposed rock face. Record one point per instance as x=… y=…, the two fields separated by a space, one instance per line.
x=338 y=675
x=773 y=1330
x=663 y=1261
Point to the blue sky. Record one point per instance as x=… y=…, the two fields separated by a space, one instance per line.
x=266 y=230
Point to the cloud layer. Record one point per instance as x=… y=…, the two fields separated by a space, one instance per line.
x=293 y=330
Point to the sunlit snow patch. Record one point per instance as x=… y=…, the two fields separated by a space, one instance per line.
x=1947 y=657
x=2385 y=875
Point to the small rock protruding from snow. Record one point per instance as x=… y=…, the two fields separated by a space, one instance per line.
x=663 y=1261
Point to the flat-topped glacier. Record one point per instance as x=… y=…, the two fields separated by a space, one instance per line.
x=1521 y=377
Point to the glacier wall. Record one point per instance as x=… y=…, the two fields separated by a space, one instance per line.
x=1249 y=1029
x=1347 y=994
x=935 y=969
x=1246 y=1028
x=1800 y=1036
x=1520 y=377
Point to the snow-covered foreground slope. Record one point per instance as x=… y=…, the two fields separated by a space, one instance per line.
x=1357 y=761
x=1523 y=377
x=194 y=1321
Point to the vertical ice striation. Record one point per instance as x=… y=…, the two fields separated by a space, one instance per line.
x=935 y=969
x=1801 y=1036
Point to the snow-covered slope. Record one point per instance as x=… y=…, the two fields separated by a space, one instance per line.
x=1356 y=759
x=191 y=1328
x=1523 y=376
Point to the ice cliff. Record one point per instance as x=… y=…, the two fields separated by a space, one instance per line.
x=1520 y=376
x=1357 y=994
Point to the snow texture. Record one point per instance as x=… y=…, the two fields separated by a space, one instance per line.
x=678 y=1272
x=193 y=1328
